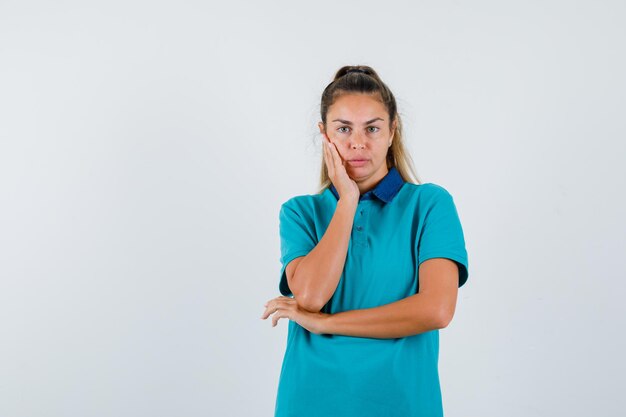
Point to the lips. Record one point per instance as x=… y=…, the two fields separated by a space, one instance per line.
x=357 y=162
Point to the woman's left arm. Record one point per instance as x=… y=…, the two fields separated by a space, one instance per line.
x=432 y=308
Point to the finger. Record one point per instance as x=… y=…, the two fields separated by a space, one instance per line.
x=264 y=315
x=267 y=310
x=336 y=154
x=327 y=145
x=273 y=305
x=280 y=297
x=325 y=151
x=330 y=160
x=276 y=317
x=334 y=160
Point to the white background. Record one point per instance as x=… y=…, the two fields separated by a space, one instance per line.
x=146 y=147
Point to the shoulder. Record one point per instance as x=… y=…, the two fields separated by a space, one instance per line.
x=427 y=192
x=308 y=203
x=302 y=200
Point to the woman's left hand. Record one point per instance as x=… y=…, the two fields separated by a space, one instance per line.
x=287 y=307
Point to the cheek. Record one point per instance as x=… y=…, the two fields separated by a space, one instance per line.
x=383 y=149
x=341 y=147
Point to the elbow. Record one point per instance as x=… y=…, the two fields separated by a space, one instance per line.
x=302 y=297
x=309 y=303
x=306 y=302
x=443 y=318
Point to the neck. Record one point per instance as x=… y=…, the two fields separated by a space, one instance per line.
x=370 y=183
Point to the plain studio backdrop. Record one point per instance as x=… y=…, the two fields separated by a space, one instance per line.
x=146 y=148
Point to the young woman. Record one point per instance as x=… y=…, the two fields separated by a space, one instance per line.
x=371 y=266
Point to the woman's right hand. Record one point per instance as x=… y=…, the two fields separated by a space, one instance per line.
x=346 y=187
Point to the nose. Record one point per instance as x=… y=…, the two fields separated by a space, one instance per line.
x=357 y=143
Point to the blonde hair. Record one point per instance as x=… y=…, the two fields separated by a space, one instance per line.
x=363 y=79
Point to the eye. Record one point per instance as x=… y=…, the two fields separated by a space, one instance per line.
x=373 y=127
x=343 y=127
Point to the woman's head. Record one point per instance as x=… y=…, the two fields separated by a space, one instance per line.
x=359 y=115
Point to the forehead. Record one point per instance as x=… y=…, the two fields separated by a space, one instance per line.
x=357 y=107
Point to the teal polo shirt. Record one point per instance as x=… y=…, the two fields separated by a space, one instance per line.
x=397 y=226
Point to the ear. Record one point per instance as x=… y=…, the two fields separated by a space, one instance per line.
x=393 y=130
x=321 y=127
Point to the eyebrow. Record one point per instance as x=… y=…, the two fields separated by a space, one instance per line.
x=350 y=123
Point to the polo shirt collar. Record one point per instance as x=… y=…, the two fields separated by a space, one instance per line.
x=385 y=190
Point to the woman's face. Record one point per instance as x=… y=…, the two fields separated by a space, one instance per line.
x=358 y=125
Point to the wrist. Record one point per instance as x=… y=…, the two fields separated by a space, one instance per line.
x=347 y=204
x=325 y=323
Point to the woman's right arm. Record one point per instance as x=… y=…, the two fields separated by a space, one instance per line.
x=313 y=278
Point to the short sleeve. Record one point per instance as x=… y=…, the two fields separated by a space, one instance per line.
x=442 y=234
x=297 y=238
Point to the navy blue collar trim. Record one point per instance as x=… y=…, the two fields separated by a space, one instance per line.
x=385 y=190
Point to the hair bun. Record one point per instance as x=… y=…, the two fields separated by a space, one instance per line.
x=357 y=70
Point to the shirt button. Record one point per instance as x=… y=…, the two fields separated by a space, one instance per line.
x=359 y=228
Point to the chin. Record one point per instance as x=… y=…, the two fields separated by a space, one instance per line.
x=360 y=172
